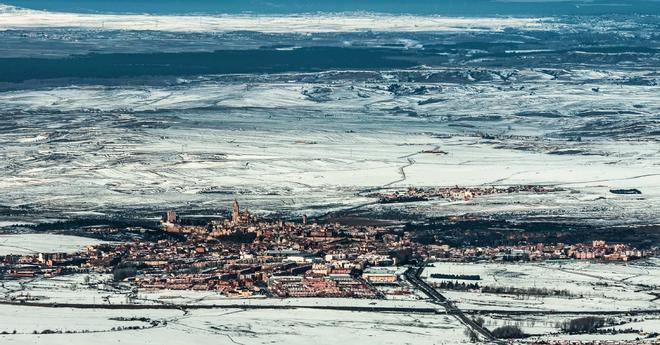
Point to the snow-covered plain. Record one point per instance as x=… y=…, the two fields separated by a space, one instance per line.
x=590 y=286
x=515 y=101
x=28 y=244
x=26 y=320
x=294 y=326
x=603 y=288
x=548 y=327
x=16 y=18
x=298 y=323
x=312 y=147
x=625 y=294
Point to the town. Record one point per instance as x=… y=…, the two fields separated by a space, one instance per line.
x=244 y=256
x=455 y=193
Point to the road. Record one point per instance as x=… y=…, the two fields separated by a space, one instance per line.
x=373 y=309
x=412 y=275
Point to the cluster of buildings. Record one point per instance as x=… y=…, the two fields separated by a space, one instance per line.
x=604 y=251
x=54 y=264
x=454 y=193
x=243 y=256
x=238 y=256
x=313 y=285
x=596 y=250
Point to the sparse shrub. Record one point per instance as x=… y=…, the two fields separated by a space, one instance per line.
x=456 y=276
x=509 y=332
x=474 y=338
x=525 y=291
x=585 y=324
x=450 y=285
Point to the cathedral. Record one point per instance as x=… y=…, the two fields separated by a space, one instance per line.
x=238 y=218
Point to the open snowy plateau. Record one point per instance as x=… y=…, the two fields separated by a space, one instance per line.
x=111 y=115
x=290 y=145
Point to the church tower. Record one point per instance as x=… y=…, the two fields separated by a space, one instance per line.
x=235 y=212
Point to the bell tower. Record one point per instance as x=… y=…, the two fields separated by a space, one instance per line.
x=235 y=212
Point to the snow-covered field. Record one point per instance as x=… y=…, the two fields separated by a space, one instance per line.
x=15 y=18
x=615 y=292
x=512 y=100
x=26 y=244
x=26 y=320
x=590 y=286
x=281 y=150
x=244 y=326
x=94 y=289
x=300 y=324
x=540 y=326
x=294 y=326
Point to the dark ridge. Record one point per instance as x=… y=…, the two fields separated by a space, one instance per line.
x=493 y=232
x=199 y=63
